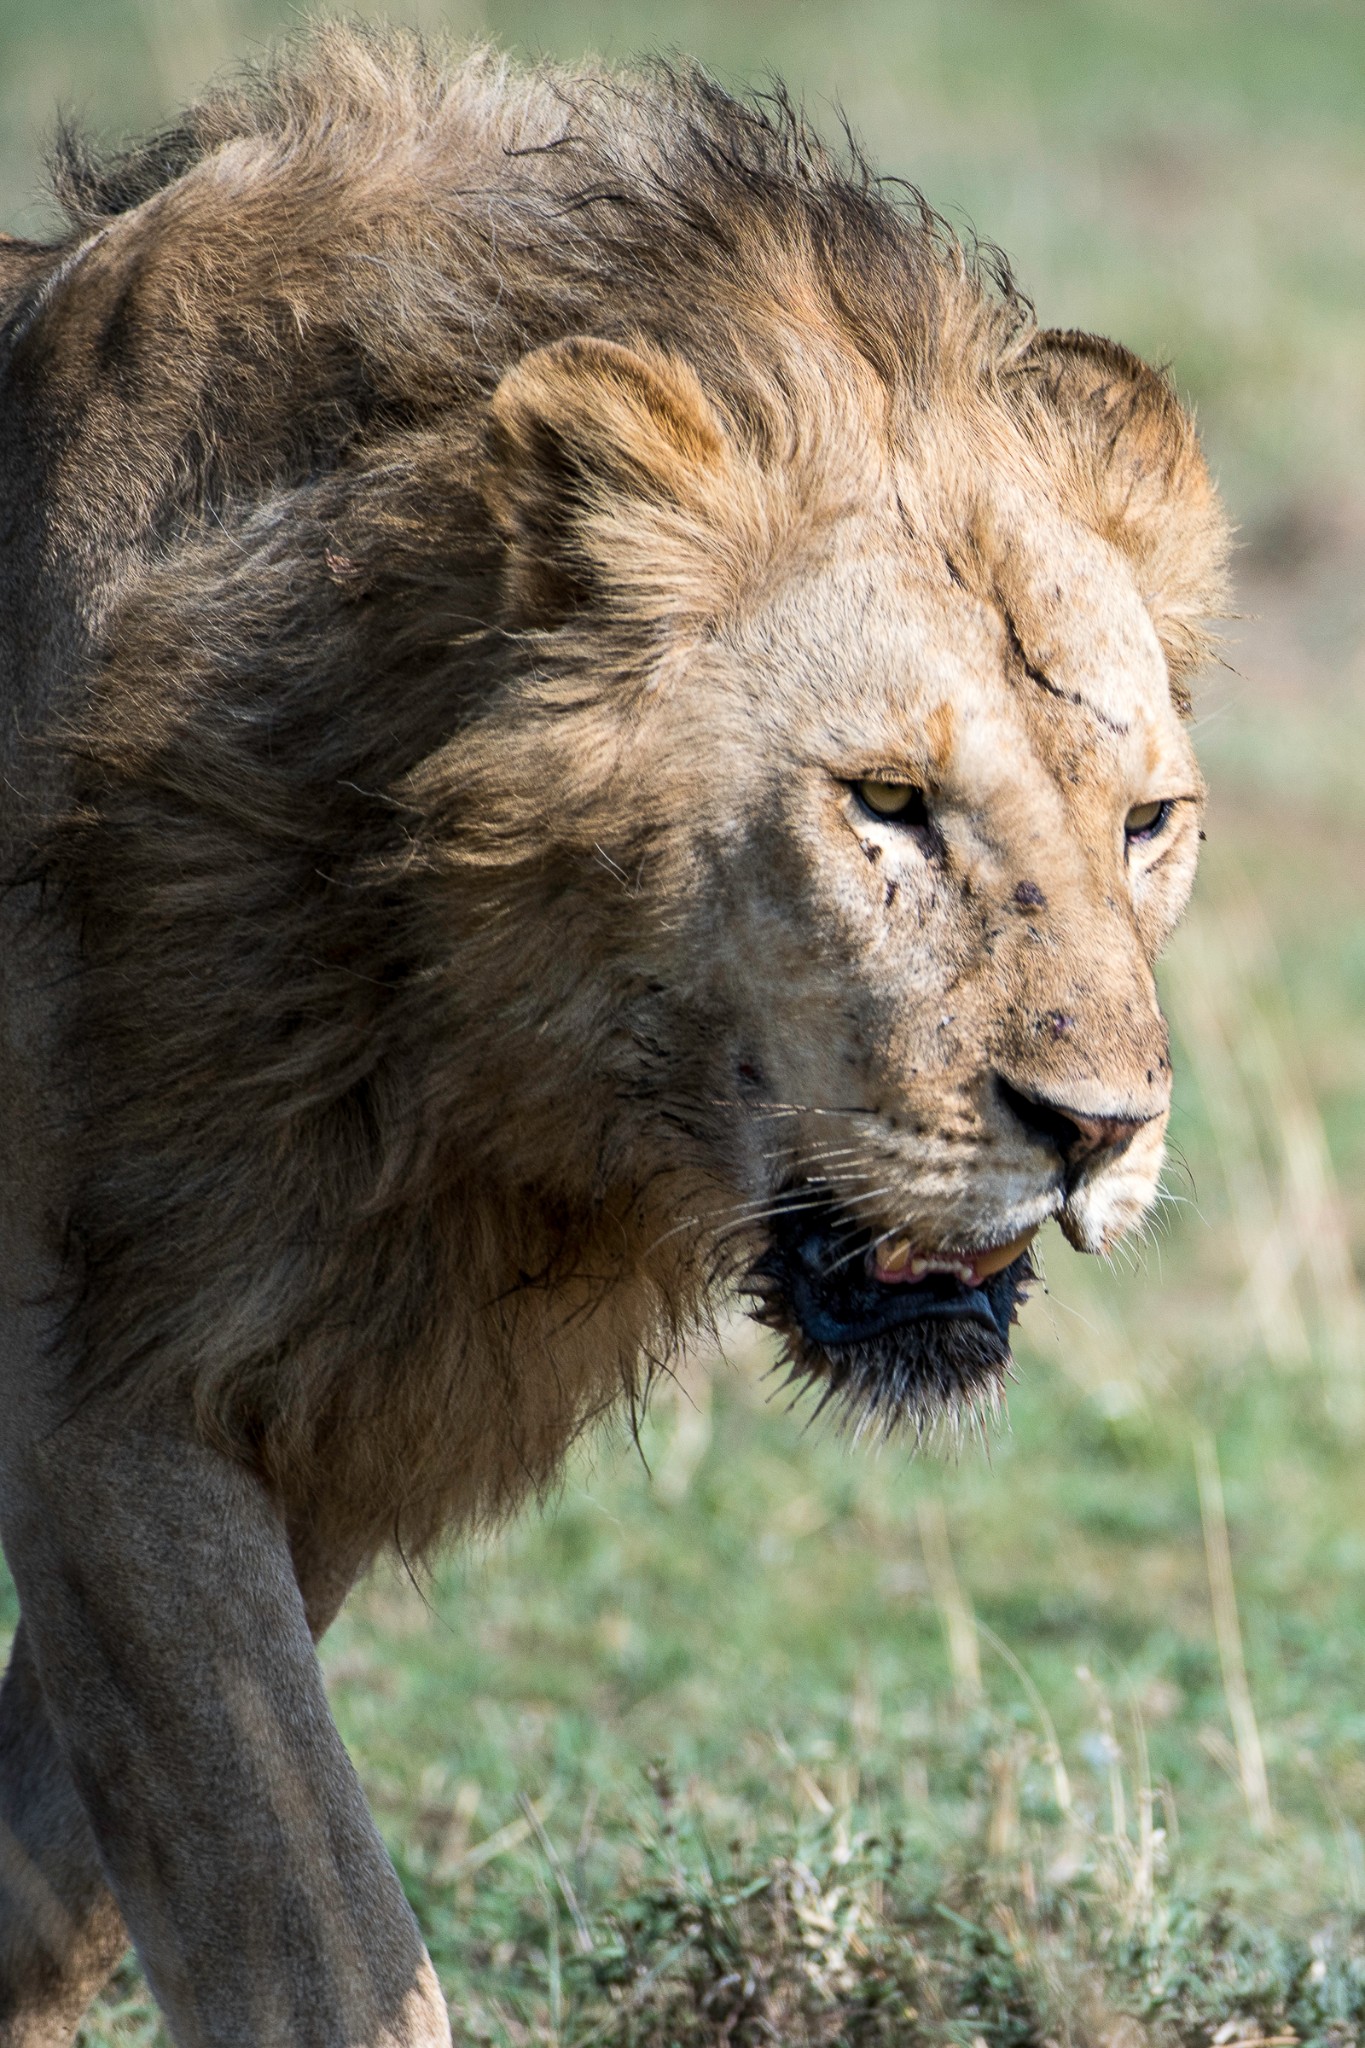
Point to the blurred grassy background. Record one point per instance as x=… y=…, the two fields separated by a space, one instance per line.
x=1028 y=1664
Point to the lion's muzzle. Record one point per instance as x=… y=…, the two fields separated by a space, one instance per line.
x=881 y=1342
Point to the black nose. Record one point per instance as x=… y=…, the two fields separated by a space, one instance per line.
x=1077 y=1136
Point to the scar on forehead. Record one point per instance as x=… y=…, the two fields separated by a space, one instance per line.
x=1035 y=675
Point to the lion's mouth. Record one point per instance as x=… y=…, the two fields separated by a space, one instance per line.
x=898 y=1264
x=887 y=1329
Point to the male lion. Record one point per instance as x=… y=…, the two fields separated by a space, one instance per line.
x=591 y=711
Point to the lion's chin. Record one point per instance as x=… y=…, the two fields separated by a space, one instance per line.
x=888 y=1355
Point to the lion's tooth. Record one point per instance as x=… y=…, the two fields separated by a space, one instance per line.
x=1001 y=1255
x=899 y=1261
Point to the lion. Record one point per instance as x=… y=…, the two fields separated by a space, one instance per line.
x=594 y=719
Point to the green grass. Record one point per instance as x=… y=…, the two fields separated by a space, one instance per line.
x=751 y=1737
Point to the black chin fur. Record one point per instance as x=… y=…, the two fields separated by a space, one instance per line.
x=881 y=1356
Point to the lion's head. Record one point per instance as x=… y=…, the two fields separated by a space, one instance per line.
x=887 y=805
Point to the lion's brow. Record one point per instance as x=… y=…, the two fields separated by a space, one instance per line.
x=1044 y=682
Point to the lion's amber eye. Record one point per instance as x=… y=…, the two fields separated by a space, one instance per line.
x=1144 y=821
x=898 y=803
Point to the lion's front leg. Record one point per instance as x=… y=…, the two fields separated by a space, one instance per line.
x=173 y=1649
x=60 y=1931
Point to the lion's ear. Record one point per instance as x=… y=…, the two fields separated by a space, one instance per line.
x=1139 y=463
x=605 y=472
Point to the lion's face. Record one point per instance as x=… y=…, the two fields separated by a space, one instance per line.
x=948 y=851
x=920 y=812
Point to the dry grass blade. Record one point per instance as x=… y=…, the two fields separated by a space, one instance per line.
x=1247 y=1735
x=1052 y=1749
x=959 y=1623
x=498 y=1844
x=582 y=1931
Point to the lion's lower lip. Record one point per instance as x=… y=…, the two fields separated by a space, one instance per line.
x=858 y=1312
x=939 y=1299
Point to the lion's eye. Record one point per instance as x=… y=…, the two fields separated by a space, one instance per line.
x=1145 y=821
x=897 y=803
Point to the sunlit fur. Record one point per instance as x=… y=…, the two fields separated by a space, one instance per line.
x=510 y=508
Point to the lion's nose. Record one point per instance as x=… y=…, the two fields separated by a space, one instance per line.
x=1078 y=1135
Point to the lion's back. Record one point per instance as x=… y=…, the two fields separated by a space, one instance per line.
x=354 y=240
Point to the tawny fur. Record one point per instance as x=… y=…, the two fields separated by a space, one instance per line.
x=434 y=416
